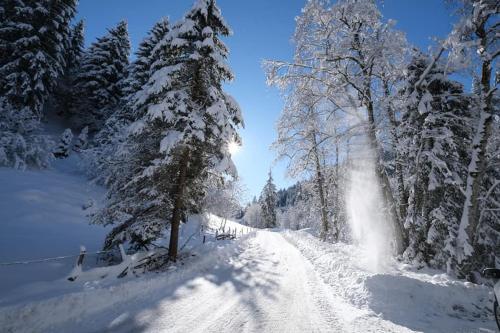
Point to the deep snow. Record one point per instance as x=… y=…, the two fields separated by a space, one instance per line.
x=265 y=281
x=43 y=214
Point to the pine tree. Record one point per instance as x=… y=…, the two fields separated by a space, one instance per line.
x=34 y=36
x=268 y=202
x=101 y=77
x=476 y=36
x=103 y=156
x=433 y=134
x=148 y=52
x=33 y=39
x=186 y=124
x=65 y=96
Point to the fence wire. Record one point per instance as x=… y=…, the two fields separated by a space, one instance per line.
x=36 y=261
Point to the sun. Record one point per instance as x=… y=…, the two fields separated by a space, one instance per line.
x=234 y=147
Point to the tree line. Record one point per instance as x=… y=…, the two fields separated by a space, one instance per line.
x=154 y=131
x=356 y=90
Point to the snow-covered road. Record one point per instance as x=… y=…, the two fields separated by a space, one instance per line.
x=269 y=287
x=264 y=282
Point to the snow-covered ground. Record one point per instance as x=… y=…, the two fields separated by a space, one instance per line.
x=266 y=281
x=43 y=214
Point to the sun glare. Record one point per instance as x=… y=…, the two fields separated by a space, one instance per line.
x=234 y=147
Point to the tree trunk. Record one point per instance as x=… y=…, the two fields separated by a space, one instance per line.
x=321 y=192
x=178 y=205
x=402 y=194
x=383 y=180
x=477 y=164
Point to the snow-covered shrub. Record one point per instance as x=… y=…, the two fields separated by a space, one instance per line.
x=21 y=144
x=82 y=140
x=63 y=148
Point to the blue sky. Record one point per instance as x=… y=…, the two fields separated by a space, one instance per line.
x=262 y=30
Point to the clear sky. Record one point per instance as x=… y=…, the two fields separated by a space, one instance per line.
x=262 y=30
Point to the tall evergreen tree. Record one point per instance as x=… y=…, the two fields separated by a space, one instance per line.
x=268 y=202
x=476 y=36
x=433 y=134
x=148 y=52
x=34 y=37
x=104 y=156
x=101 y=77
x=187 y=122
x=65 y=96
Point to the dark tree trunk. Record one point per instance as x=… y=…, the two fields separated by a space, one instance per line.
x=178 y=206
x=402 y=193
x=478 y=161
x=321 y=192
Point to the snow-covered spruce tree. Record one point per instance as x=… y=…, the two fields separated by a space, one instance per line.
x=187 y=124
x=64 y=96
x=64 y=147
x=148 y=52
x=477 y=36
x=433 y=133
x=268 y=201
x=34 y=35
x=103 y=156
x=99 y=83
x=33 y=38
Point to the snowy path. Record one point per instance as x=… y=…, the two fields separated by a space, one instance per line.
x=261 y=283
x=266 y=288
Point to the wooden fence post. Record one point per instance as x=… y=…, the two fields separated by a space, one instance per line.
x=78 y=268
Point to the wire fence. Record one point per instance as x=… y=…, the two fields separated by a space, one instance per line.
x=111 y=256
x=36 y=261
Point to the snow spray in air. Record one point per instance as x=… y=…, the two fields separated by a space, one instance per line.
x=370 y=225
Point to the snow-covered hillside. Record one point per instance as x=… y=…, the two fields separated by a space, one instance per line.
x=43 y=214
x=267 y=281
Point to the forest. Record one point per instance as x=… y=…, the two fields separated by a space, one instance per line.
x=391 y=148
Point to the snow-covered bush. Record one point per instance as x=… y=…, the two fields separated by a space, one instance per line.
x=21 y=144
x=63 y=148
x=82 y=140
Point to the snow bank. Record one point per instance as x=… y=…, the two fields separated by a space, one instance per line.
x=426 y=301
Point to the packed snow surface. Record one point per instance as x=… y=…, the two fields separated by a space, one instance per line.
x=266 y=281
